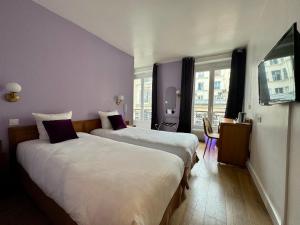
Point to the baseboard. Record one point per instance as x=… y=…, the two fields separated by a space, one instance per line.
x=265 y=197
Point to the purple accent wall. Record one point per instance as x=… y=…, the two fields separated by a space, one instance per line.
x=59 y=65
x=169 y=75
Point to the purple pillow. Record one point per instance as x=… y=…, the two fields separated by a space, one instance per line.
x=60 y=130
x=117 y=122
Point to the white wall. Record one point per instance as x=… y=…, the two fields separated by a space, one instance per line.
x=293 y=208
x=269 y=147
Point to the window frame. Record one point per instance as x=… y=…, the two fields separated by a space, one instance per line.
x=211 y=67
x=279 y=90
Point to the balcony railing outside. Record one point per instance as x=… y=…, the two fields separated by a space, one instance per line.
x=199 y=115
x=138 y=114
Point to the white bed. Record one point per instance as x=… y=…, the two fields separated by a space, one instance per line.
x=181 y=144
x=101 y=181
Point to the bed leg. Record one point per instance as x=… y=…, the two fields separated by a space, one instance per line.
x=187 y=185
x=184 y=182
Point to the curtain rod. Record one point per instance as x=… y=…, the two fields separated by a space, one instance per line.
x=198 y=59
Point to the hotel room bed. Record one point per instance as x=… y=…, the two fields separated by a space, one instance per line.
x=181 y=144
x=100 y=181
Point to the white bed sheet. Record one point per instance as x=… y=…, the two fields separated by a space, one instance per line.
x=100 y=181
x=181 y=144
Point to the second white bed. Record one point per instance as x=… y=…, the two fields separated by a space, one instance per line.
x=181 y=144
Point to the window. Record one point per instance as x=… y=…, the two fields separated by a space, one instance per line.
x=276 y=75
x=137 y=101
x=201 y=103
x=217 y=84
x=200 y=97
x=200 y=86
x=278 y=90
x=142 y=99
x=210 y=101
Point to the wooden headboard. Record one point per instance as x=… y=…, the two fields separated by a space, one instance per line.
x=19 y=134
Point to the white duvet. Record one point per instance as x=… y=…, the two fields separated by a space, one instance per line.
x=100 y=181
x=181 y=144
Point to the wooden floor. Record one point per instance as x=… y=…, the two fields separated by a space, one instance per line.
x=17 y=209
x=218 y=195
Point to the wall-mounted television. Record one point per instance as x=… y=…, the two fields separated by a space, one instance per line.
x=278 y=73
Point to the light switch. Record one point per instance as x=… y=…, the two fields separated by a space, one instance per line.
x=13 y=122
x=258 y=118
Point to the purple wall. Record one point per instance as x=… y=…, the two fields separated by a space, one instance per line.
x=60 y=66
x=169 y=75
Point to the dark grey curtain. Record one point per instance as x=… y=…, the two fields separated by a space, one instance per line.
x=237 y=84
x=186 y=99
x=154 y=117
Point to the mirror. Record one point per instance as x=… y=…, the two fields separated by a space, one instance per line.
x=170 y=100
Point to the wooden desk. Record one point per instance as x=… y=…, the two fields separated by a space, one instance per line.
x=234 y=142
x=226 y=120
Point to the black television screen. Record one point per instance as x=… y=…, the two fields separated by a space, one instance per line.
x=276 y=73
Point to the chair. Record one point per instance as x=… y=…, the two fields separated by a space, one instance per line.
x=208 y=131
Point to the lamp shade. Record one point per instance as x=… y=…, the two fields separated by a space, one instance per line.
x=13 y=87
x=120 y=97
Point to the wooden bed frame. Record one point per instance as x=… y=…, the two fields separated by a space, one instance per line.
x=187 y=170
x=54 y=212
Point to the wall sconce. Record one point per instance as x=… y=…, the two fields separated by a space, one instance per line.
x=178 y=93
x=13 y=89
x=119 y=99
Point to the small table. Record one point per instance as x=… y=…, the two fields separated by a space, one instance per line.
x=226 y=120
x=234 y=141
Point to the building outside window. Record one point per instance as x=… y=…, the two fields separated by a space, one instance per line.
x=200 y=86
x=274 y=61
x=142 y=98
x=217 y=84
x=285 y=74
x=287 y=89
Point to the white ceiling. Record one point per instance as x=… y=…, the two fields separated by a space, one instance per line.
x=164 y=30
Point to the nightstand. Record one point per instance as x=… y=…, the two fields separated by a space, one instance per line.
x=4 y=170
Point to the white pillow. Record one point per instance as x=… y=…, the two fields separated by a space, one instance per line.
x=39 y=118
x=104 y=120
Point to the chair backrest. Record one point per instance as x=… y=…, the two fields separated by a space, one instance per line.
x=207 y=126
